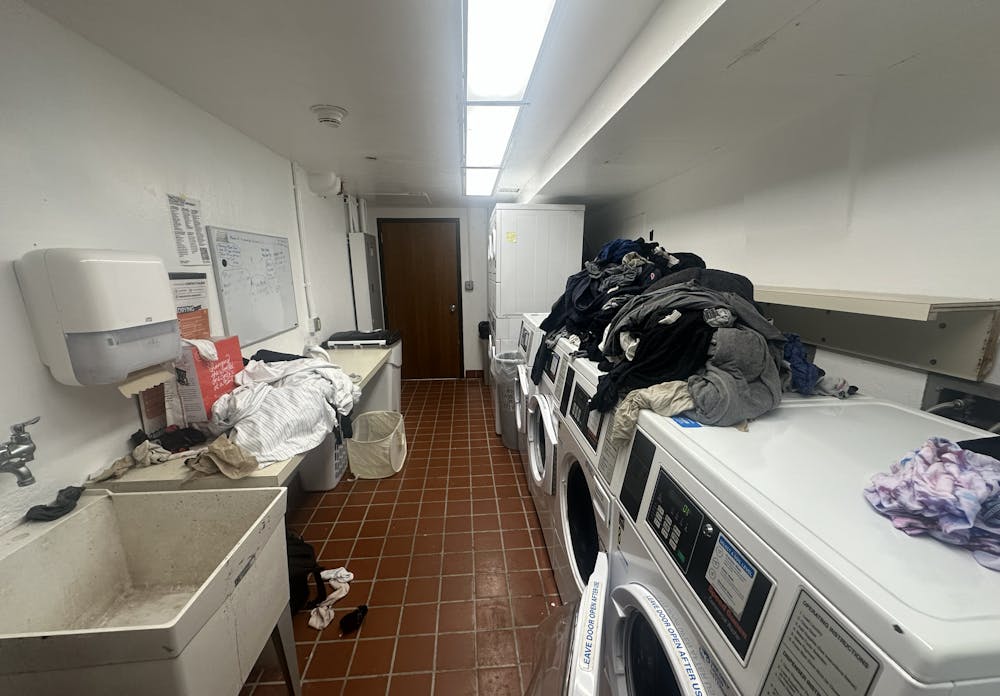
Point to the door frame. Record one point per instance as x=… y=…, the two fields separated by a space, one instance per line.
x=458 y=279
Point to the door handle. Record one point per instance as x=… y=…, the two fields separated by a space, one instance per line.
x=452 y=308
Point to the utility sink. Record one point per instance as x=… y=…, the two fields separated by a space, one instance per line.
x=152 y=593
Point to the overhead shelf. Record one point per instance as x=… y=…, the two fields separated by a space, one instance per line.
x=945 y=335
x=914 y=307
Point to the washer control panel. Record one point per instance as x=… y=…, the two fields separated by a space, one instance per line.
x=729 y=584
x=589 y=422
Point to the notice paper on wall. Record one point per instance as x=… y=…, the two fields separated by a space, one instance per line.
x=189 y=234
x=191 y=301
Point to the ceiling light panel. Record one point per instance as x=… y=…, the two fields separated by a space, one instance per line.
x=502 y=43
x=487 y=132
x=480 y=182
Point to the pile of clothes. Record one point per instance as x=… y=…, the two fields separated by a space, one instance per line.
x=283 y=405
x=622 y=269
x=677 y=337
x=700 y=326
x=950 y=493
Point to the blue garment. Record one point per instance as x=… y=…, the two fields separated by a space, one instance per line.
x=804 y=373
x=615 y=250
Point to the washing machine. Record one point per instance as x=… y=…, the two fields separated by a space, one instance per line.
x=583 y=499
x=749 y=563
x=567 y=659
x=555 y=367
x=529 y=338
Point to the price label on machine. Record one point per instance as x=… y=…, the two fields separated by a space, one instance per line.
x=731 y=575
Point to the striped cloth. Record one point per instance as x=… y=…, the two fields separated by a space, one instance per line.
x=283 y=409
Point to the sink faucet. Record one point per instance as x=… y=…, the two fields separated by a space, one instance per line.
x=18 y=451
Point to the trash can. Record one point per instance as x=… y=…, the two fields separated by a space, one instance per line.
x=484 y=350
x=504 y=370
x=378 y=448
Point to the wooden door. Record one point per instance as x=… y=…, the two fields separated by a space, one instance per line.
x=421 y=280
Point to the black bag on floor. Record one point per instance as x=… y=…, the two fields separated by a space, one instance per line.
x=301 y=565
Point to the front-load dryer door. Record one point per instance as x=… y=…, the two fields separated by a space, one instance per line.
x=543 y=433
x=521 y=394
x=586 y=653
x=646 y=649
x=568 y=646
x=577 y=516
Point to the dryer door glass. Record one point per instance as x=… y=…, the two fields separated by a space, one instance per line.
x=647 y=669
x=581 y=522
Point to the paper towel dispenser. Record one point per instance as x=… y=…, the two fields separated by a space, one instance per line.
x=98 y=315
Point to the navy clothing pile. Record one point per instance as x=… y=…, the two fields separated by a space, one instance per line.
x=705 y=328
x=621 y=270
x=650 y=317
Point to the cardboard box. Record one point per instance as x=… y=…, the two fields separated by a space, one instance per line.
x=152 y=411
x=200 y=383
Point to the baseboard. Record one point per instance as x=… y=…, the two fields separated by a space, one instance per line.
x=472 y=374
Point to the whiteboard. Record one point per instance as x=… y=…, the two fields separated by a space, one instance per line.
x=253 y=274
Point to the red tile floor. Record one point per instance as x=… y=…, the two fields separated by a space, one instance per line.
x=447 y=554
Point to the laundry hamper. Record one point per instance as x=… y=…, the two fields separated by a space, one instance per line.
x=323 y=466
x=378 y=448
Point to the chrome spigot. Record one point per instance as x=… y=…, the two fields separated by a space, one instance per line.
x=18 y=451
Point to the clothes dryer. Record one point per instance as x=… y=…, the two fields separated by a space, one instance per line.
x=581 y=513
x=755 y=555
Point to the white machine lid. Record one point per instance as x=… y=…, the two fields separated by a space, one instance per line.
x=796 y=479
x=535 y=319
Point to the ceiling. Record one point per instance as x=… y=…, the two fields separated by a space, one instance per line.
x=396 y=67
x=751 y=69
x=624 y=95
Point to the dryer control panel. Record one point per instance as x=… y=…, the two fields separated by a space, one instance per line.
x=729 y=584
x=589 y=422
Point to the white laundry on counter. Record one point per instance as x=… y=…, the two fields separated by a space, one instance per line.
x=293 y=372
x=286 y=408
x=206 y=349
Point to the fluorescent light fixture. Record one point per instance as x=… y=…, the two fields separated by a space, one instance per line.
x=487 y=131
x=502 y=44
x=480 y=182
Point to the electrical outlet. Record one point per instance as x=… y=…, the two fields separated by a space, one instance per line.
x=470 y=285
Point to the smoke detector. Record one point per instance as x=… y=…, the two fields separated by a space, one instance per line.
x=329 y=115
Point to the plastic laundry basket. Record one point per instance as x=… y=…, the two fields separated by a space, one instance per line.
x=378 y=448
x=323 y=466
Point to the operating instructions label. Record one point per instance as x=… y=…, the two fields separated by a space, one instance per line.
x=818 y=657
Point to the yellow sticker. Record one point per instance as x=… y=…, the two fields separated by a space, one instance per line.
x=512 y=237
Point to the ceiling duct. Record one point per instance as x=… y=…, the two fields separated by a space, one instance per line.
x=390 y=199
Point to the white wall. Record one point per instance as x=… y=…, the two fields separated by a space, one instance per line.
x=472 y=228
x=893 y=188
x=324 y=231
x=89 y=148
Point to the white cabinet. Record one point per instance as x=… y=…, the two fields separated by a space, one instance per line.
x=531 y=251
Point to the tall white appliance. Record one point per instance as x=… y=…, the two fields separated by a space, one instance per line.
x=366 y=274
x=531 y=251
